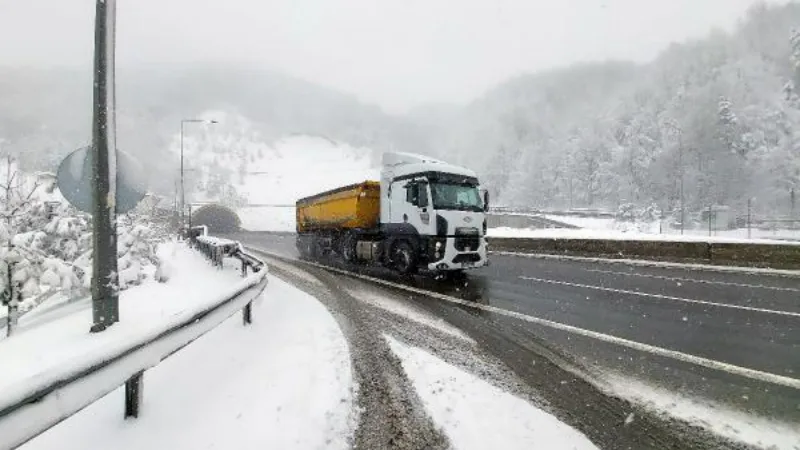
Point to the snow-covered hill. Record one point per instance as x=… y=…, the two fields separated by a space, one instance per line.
x=231 y=162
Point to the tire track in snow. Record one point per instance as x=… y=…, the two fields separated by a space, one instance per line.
x=552 y=378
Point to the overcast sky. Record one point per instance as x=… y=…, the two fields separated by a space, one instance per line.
x=397 y=53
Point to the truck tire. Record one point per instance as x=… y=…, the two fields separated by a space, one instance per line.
x=349 y=247
x=303 y=247
x=404 y=258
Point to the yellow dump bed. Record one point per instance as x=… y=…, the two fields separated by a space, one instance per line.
x=354 y=206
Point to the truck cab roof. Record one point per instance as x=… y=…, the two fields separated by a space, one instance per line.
x=401 y=165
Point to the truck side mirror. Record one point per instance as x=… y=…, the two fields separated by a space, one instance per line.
x=422 y=195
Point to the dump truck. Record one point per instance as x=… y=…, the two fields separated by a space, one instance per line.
x=423 y=214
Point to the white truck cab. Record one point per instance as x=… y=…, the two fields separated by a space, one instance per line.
x=435 y=208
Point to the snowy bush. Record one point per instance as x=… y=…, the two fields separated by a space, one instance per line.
x=630 y=218
x=45 y=244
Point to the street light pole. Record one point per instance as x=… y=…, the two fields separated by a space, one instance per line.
x=183 y=190
x=104 y=288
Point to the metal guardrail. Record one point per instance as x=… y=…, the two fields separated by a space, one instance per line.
x=41 y=405
x=217 y=249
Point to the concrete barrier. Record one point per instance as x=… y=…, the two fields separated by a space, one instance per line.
x=738 y=254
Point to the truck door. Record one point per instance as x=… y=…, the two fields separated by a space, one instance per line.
x=416 y=207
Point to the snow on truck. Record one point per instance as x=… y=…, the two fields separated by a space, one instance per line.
x=423 y=214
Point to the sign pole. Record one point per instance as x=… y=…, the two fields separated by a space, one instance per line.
x=105 y=295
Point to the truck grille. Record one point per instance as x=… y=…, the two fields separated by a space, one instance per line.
x=467 y=239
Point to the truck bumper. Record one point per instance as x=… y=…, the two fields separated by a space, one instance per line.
x=456 y=260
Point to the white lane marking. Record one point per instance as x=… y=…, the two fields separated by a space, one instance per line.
x=665 y=297
x=693 y=280
x=745 y=372
x=664 y=264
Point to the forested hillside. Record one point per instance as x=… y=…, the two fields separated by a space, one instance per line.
x=717 y=119
x=721 y=113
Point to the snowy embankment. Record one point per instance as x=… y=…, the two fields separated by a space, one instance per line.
x=282 y=382
x=735 y=425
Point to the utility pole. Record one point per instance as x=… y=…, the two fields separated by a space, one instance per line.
x=105 y=295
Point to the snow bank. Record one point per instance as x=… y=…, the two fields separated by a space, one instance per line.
x=563 y=233
x=283 y=382
x=594 y=223
x=735 y=425
x=477 y=415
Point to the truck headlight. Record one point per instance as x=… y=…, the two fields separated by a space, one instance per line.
x=438 y=246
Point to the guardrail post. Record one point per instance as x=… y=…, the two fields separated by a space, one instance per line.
x=247 y=314
x=244 y=269
x=134 y=388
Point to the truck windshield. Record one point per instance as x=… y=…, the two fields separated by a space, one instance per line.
x=456 y=196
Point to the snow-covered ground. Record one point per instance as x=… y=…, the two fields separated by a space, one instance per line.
x=476 y=415
x=283 y=382
x=608 y=228
x=735 y=425
x=594 y=223
x=587 y=233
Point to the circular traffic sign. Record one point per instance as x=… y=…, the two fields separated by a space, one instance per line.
x=75 y=180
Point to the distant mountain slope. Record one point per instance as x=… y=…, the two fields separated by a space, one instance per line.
x=235 y=164
x=46 y=113
x=722 y=113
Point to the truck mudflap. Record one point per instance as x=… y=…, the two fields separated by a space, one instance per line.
x=460 y=260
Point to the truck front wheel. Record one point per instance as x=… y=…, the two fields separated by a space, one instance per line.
x=404 y=258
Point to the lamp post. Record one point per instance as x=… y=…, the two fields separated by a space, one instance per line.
x=183 y=191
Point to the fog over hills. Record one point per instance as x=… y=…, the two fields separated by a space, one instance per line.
x=721 y=113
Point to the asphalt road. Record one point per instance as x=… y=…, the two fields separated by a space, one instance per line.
x=747 y=320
